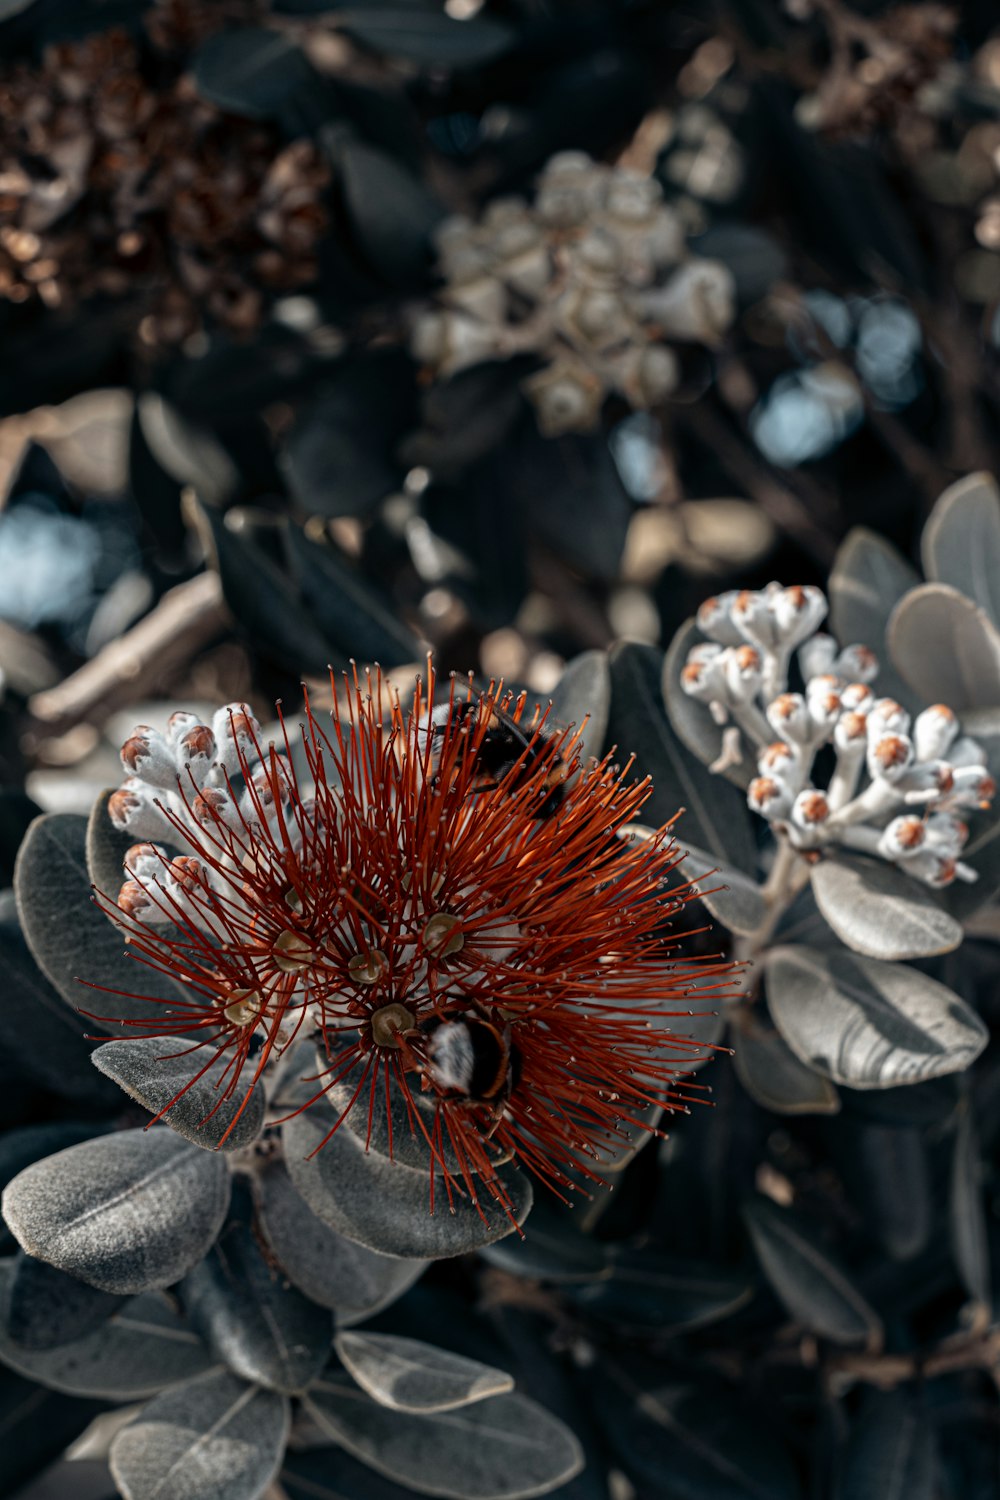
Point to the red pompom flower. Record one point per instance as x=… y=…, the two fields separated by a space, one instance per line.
x=443 y=898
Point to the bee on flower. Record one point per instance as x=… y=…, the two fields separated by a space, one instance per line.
x=440 y=898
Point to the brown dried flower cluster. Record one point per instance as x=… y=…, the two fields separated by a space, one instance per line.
x=117 y=179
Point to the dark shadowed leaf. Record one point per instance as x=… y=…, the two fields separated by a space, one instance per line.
x=692 y=720
x=150 y=1070
x=891 y=1453
x=816 y=1291
x=961 y=541
x=500 y=1449
x=771 y=1073
x=263 y=601
x=354 y=617
x=185 y=451
x=966 y=1216
x=868 y=578
x=392 y=212
x=891 y=1164
x=251 y=71
x=646 y=1291
x=584 y=692
x=216 y=1438
x=557 y=1249
x=262 y=1328
x=716 y=818
x=866 y=1023
x=43 y=1307
x=51 y=880
x=731 y=897
x=385 y=1205
x=881 y=912
x=353 y=1282
x=17 y=812
x=571 y=495
x=36 y=1426
x=125 y=1213
x=36 y=1025
x=339 y=456
x=427 y=36
x=332 y=1474
x=946 y=647
x=692 y=1443
x=408 y=1375
x=142 y=1348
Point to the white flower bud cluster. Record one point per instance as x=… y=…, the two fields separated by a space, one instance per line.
x=920 y=774
x=593 y=276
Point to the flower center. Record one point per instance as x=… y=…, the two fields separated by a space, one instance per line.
x=368 y=968
x=388 y=1022
x=244 y=1007
x=292 y=952
x=443 y=935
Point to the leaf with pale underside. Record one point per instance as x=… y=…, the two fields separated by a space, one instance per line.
x=409 y=1375
x=879 y=911
x=961 y=541
x=946 y=647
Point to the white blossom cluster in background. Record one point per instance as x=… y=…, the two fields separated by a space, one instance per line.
x=899 y=786
x=594 y=276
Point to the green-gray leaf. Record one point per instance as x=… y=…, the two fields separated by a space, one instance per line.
x=866 y=1023
x=773 y=1076
x=816 y=1291
x=154 y=1071
x=506 y=1448
x=868 y=578
x=409 y=1375
x=966 y=1216
x=216 y=1438
x=387 y=1206
x=732 y=897
x=584 y=692
x=142 y=1349
x=946 y=647
x=891 y=1452
x=961 y=541
x=876 y=909
x=127 y=1212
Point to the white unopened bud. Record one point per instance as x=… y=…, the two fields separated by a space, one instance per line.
x=789 y=717
x=798 y=611
x=145 y=861
x=132 y=809
x=858 y=698
x=808 y=818
x=926 y=782
x=886 y=716
x=769 y=796
x=752 y=614
x=937 y=869
x=902 y=838
x=934 y=731
x=148 y=755
x=528 y=273
x=973 y=787
x=817 y=656
x=566 y=398
x=702 y=674
x=778 y=759
x=857 y=664
x=715 y=619
x=889 y=757
x=741 y=668
x=483 y=299
x=235 y=730
x=824 y=710
x=698 y=303
x=850 y=734
x=946 y=834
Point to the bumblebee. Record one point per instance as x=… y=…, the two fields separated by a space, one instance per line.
x=508 y=754
x=471 y=1059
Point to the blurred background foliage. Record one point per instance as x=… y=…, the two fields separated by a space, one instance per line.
x=224 y=464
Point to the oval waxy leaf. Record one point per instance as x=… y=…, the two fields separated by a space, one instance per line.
x=716 y=817
x=869 y=1024
x=890 y=1453
x=353 y=1282
x=387 y=1206
x=583 y=693
x=264 y=1329
x=773 y=1076
x=967 y=1219
x=644 y=1292
x=141 y=1349
x=155 y=1070
x=506 y=1448
x=409 y=1375
x=816 y=1291
x=731 y=897
x=43 y=1307
x=868 y=578
x=946 y=647
x=216 y=1438
x=877 y=910
x=692 y=722
x=126 y=1213
x=250 y=71
x=961 y=541
x=79 y=957
x=557 y=1249
x=692 y=1442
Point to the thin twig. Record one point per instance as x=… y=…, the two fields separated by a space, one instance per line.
x=184 y=621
